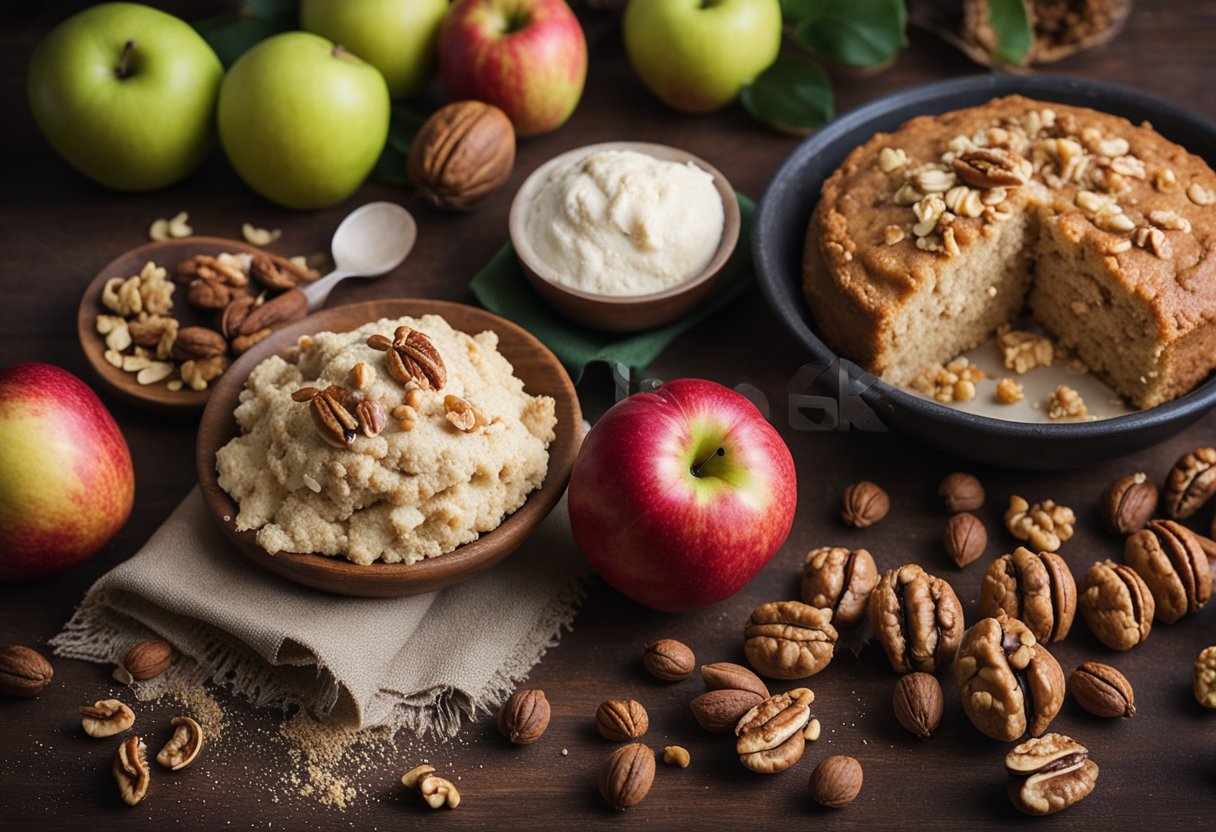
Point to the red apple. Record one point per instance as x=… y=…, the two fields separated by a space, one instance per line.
x=526 y=57
x=680 y=496
x=66 y=482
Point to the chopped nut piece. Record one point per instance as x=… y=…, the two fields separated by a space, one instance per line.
x=362 y=376
x=259 y=236
x=950 y=383
x=1023 y=351
x=906 y=194
x=156 y=371
x=411 y=357
x=1066 y=403
x=1045 y=525
x=1129 y=166
x=964 y=201
x=178 y=226
x=813 y=729
x=1170 y=220
x=1117 y=223
x=1200 y=195
x=891 y=159
x=159 y=230
x=114 y=358
x=174 y=385
x=893 y=234
x=199 y=373
x=950 y=245
x=1008 y=391
x=412 y=777
x=119 y=337
x=934 y=180
x=1154 y=240
x=438 y=792
x=371 y=418
x=1165 y=181
x=675 y=755
x=462 y=415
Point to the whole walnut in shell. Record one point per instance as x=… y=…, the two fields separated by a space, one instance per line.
x=462 y=153
x=1007 y=681
x=917 y=618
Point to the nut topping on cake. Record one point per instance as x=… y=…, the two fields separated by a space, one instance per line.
x=992 y=168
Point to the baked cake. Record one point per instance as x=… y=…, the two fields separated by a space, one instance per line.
x=927 y=240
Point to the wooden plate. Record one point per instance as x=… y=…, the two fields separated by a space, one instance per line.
x=156 y=397
x=541 y=373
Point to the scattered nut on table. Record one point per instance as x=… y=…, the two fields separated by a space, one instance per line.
x=627 y=775
x=676 y=755
x=523 y=718
x=864 y=504
x=1050 y=773
x=131 y=770
x=836 y=781
x=621 y=720
x=1102 y=690
x=770 y=736
x=669 y=660
x=961 y=492
x=840 y=580
x=1044 y=525
x=105 y=718
x=918 y=703
x=183 y=747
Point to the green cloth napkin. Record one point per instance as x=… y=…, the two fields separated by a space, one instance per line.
x=502 y=288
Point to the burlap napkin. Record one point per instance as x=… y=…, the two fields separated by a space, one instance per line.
x=424 y=662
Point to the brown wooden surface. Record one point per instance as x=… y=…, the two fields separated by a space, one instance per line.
x=56 y=230
x=542 y=375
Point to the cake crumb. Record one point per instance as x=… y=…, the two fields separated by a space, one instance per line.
x=954 y=382
x=1066 y=403
x=1022 y=351
x=1008 y=391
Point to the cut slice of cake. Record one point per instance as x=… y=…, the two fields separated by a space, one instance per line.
x=926 y=240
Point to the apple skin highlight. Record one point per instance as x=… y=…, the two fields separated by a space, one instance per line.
x=66 y=480
x=656 y=531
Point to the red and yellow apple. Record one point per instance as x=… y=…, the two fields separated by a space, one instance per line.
x=526 y=57
x=681 y=495
x=66 y=481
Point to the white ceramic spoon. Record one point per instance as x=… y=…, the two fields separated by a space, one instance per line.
x=371 y=241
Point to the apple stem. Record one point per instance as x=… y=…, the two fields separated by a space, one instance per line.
x=696 y=469
x=123 y=70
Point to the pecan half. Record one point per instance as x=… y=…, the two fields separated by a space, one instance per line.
x=198 y=342
x=278 y=273
x=131 y=770
x=337 y=425
x=1171 y=560
x=234 y=314
x=864 y=504
x=209 y=294
x=287 y=307
x=1190 y=483
x=1128 y=503
x=1037 y=589
x=183 y=746
x=918 y=619
x=992 y=167
x=411 y=356
x=214 y=269
x=105 y=718
x=243 y=343
x=1049 y=773
x=147 y=659
x=770 y=735
x=729 y=676
x=1116 y=605
x=1102 y=690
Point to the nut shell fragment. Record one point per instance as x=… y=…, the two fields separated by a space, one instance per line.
x=131 y=770
x=183 y=746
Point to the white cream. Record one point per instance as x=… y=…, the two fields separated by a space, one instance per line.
x=618 y=222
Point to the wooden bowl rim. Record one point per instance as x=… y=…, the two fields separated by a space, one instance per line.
x=391 y=579
x=119 y=382
x=726 y=244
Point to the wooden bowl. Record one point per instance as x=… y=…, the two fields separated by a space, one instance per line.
x=541 y=373
x=622 y=313
x=156 y=397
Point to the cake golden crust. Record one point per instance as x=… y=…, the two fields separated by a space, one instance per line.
x=1114 y=225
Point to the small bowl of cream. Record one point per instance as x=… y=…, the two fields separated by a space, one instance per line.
x=624 y=236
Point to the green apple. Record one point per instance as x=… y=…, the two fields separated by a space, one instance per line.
x=697 y=55
x=302 y=120
x=397 y=37
x=126 y=94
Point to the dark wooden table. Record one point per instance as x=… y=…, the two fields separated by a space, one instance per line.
x=56 y=230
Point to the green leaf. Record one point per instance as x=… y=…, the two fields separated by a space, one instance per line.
x=1011 y=24
x=853 y=32
x=792 y=11
x=231 y=35
x=793 y=95
x=271 y=9
x=402 y=127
